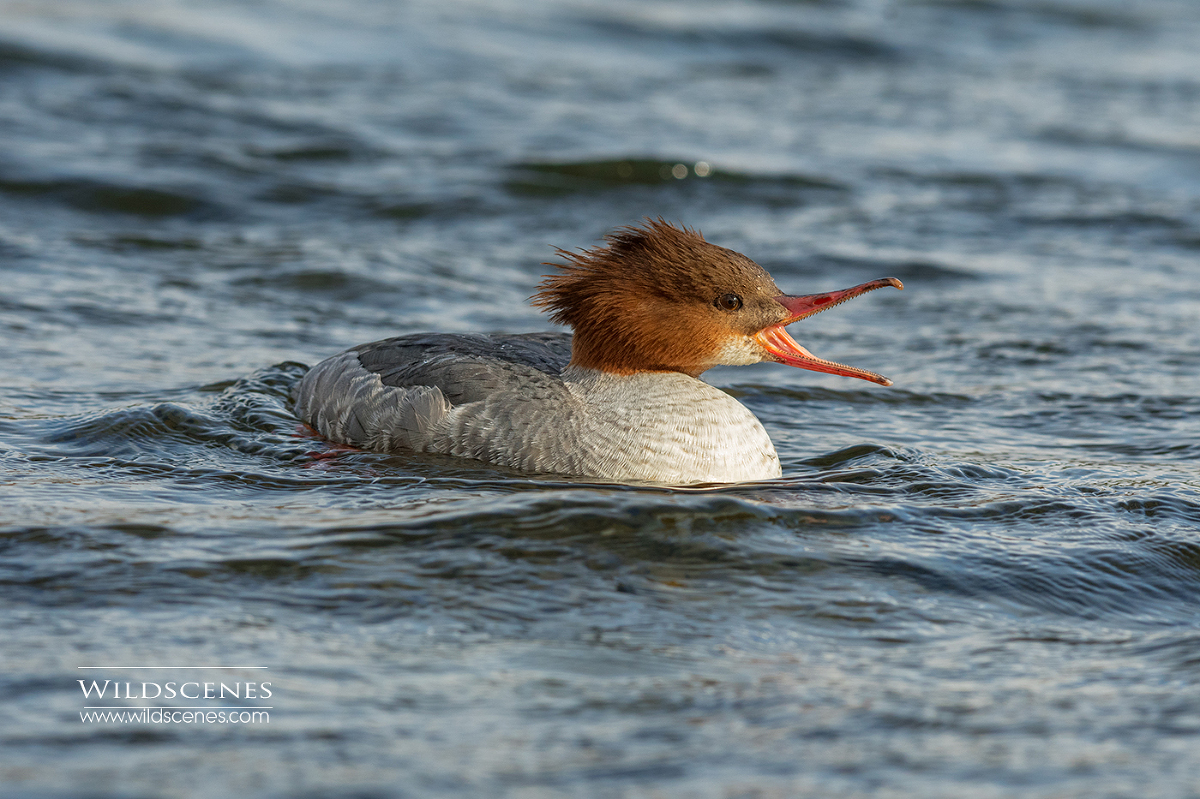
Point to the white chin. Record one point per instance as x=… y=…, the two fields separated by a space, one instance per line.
x=739 y=351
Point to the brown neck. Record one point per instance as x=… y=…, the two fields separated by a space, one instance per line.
x=627 y=346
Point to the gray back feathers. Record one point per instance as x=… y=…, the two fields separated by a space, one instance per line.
x=392 y=394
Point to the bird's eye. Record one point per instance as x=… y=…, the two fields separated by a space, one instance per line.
x=728 y=302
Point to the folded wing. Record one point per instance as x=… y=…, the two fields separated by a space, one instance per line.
x=393 y=394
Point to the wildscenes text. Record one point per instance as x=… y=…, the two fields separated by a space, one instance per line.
x=171 y=690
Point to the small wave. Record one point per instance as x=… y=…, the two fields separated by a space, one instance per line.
x=331 y=283
x=1166 y=508
x=1181 y=653
x=1032 y=551
x=1069 y=14
x=909 y=271
x=322 y=151
x=298 y=191
x=552 y=178
x=15 y=56
x=1079 y=137
x=410 y=211
x=822 y=44
x=249 y=417
x=847 y=455
x=1129 y=424
x=1123 y=221
x=95 y=196
x=893 y=396
x=131 y=243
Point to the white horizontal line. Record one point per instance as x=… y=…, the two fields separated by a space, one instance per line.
x=172 y=667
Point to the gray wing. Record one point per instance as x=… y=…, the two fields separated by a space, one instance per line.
x=465 y=367
x=392 y=394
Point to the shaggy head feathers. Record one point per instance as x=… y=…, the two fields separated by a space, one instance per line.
x=650 y=299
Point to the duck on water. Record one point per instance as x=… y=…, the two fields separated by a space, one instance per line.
x=621 y=400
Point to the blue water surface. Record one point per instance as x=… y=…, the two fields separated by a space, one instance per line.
x=983 y=581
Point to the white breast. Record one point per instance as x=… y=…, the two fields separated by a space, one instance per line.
x=657 y=427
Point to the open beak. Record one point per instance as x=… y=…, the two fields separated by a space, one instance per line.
x=784 y=349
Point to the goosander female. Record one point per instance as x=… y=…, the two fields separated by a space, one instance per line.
x=651 y=309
